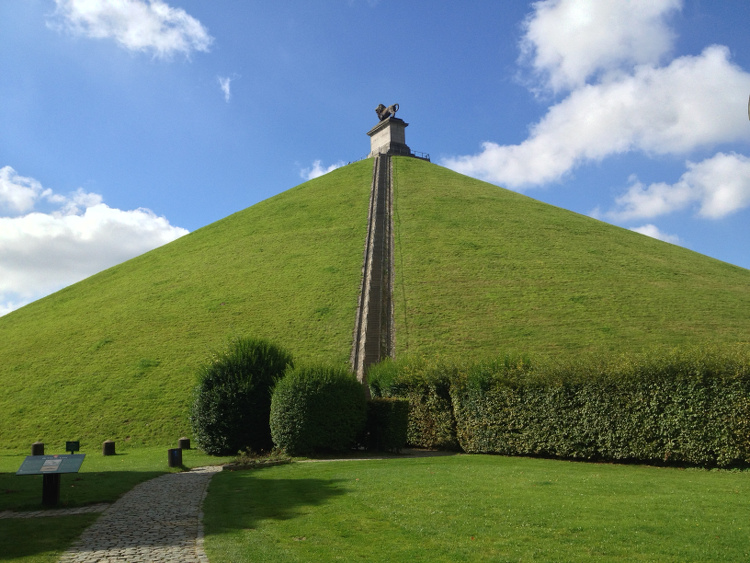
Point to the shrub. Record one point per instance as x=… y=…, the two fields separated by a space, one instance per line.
x=689 y=407
x=232 y=401
x=686 y=406
x=486 y=398
x=387 y=424
x=317 y=408
x=427 y=388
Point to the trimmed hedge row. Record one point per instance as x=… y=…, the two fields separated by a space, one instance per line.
x=427 y=389
x=681 y=407
x=387 y=424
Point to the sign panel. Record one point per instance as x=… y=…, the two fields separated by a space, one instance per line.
x=51 y=464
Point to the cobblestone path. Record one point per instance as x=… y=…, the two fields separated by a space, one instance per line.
x=157 y=521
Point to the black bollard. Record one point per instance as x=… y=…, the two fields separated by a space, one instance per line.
x=37 y=448
x=174 y=457
x=183 y=443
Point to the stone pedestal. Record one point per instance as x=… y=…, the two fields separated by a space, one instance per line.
x=389 y=137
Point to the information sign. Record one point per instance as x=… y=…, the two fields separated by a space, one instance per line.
x=47 y=464
x=51 y=467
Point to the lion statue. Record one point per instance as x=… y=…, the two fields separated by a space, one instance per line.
x=386 y=112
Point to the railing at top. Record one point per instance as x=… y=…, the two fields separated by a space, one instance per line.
x=402 y=152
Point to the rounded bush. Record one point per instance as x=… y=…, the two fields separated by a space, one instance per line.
x=232 y=401
x=317 y=408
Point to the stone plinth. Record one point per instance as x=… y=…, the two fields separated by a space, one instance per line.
x=108 y=447
x=389 y=137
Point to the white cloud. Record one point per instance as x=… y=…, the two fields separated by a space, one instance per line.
x=654 y=232
x=718 y=186
x=694 y=102
x=318 y=170
x=43 y=252
x=225 y=83
x=568 y=41
x=137 y=25
x=17 y=193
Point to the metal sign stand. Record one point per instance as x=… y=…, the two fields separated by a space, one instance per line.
x=51 y=467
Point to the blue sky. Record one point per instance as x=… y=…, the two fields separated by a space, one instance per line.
x=125 y=124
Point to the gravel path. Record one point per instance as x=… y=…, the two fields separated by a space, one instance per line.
x=158 y=520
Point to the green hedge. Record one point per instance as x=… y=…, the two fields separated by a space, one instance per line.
x=232 y=401
x=317 y=408
x=427 y=388
x=689 y=407
x=387 y=424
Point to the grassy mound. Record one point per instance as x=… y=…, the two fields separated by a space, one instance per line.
x=115 y=356
x=479 y=270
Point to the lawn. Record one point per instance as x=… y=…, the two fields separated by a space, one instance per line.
x=477 y=508
x=448 y=508
x=101 y=479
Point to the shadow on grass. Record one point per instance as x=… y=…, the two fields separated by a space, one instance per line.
x=240 y=500
x=366 y=455
x=24 y=492
x=42 y=538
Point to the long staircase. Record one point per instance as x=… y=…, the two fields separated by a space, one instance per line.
x=373 y=331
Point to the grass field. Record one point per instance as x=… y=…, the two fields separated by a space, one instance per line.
x=101 y=479
x=477 y=508
x=447 y=508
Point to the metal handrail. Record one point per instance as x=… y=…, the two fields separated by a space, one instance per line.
x=415 y=154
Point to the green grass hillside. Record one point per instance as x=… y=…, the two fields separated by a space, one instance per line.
x=482 y=270
x=115 y=355
x=479 y=270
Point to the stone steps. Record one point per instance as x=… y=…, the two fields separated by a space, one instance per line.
x=373 y=331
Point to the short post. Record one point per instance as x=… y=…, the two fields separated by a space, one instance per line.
x=37 y=448
x=51 y=489
x=108 y=448
x=183 y=443
x=174 y=457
